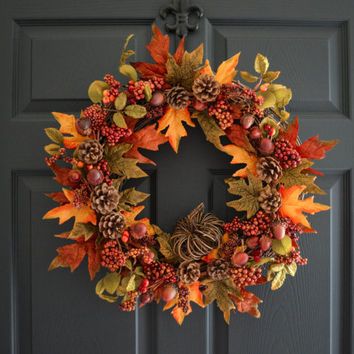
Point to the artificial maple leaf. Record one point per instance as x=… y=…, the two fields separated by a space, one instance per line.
x=73 y=254
x=58 y=197
x=148 y=138
x=159 y=45
x=178 y=56
x=247 y=303
x=291 y=132
x=67 y=211
x=68 y=126
x=62 y=175
x=206 y=69
x=172 y=120
x=293 y=207
x=130 y=218
x=226 y=70
x=238 y=136
x=241 y=156
x=149 y=70
x=314 y=148
x=248 y=193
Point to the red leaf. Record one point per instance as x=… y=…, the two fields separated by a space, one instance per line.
x=62 y=175
x=179 y=51
x=291 y=132
x=238 y=136
x=159 y=45
x=313 y=171
x=314 y=148
x=94 y=258
x=148 y=138
x=248 y=303
x=58 y=197
x=148 y=70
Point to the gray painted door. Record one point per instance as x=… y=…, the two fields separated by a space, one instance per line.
x=51 y=51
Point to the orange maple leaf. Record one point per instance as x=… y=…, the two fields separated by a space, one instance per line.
x=293 y=207
x=241 y=156
x=67 y=126
x=206 y=69
x=159 y=45
x=226 y=70
x=248 y=303
x=130 y=218
x=195 y=295
x=84 y=214
x=172 y=120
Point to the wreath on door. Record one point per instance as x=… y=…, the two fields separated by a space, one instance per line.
x=204 y=259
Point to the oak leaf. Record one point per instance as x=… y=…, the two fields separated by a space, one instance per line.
x=248 y=193
x=83 y=214
x=68 y=126
x=172 y=120
x=293 y=207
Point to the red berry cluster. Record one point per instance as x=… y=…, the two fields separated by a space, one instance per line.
x=158 y=83
x=244 y=276
x=292 y=229
x=286 y=154
x=111 y=81
x=110 y=95
x=50 y=161
x=104 y=168
x=114 y=134
x=221 y=111
x=111 y=256
x=160 y=272
x=146 y=255
x=130 y=303
x=97 y=116
x=136 y=88
x=294 y=256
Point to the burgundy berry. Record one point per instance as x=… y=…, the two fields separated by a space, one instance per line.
x=138 y=230
x=95 y=177
x=255 y=133
x=74 y=176
x=83 y=126
x=278 y=230
x=157 y=99
x=239 y=259
x=266 y=147
x=247 y=121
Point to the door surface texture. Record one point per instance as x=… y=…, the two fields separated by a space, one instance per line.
x=50 y=52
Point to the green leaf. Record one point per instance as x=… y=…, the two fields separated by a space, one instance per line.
x=95 y=90
x=282 y=94
x=147 y=92
x=211 y=129
x=81 y=229
x=139 y=271
x=52 y=149
x=54 y=135
x=135 y=111
x=248 y=193
x=131 y=197
x=269 y=99
x=128 y=70
x=129 y=264
x=111 y=282
x=291 y=268
x=126 y=53
x=271 y=76
x=248 y=76
x=129 y=283
x=278 y=280
x=261 y=64
x=283 y=246
x=121 y=101
x=277 y=267
x=118 y=120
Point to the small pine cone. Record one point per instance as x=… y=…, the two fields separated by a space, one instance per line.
x=268 y=169
x=90 y=152
x=189 y=272
x=104 y=198
x=218 y=270
x=112 y=225
x=177 y=97
x=269 y=199
x=206 y=88
x=285 y=153
x=111 y=256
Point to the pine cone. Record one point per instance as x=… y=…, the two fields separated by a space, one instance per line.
x=177 y=97
x=206 y=88
x=269 y=199
x=268 y=169
x=218 y=270
x=189 y=272
x=90 y=152
x=112 y=225
x=104 y=198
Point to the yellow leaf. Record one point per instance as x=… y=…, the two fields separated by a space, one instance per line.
x=241 y=156
x=261 y=64
x=67 y=126
x=206 y=69
x=293 y=207
x=172 y=120
x=226 y=70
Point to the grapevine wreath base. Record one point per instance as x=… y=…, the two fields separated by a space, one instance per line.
x=205 y=259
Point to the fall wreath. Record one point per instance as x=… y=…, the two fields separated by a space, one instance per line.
x=204 y=258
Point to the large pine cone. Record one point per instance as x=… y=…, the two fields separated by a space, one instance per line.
x=177 y=97
x=196 y=234
x=90 y=152
x=206 y=88
x=268 y=169
x=112 y=225
x=104 y=198
x=219 y=269
x=269 y=199
x=189 y=272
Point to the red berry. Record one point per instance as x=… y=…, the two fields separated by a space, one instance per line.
x=138 y=230
x=266 y=147
x=271 y=131
x=252 y=242
x=83 y=126
x=255 y=133
x=95 y=177
x=265 y=243
x=145 y=298
x=168 y=293
x=239 y=259
x=157 y=99
x=278 y=230
x=74 y=176
x=257 y=255
x=143 y=285
x=199 y=106
x=247 y=121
